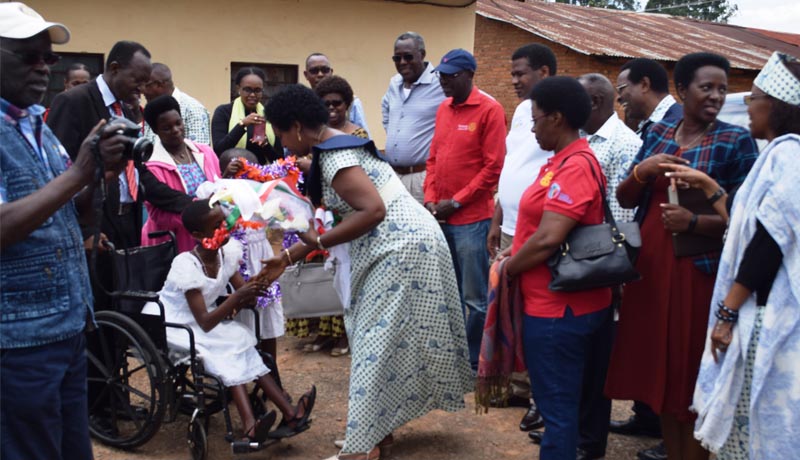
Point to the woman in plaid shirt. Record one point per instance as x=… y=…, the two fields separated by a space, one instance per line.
x=663 y=318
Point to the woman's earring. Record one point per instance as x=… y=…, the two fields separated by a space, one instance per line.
x=299 y=139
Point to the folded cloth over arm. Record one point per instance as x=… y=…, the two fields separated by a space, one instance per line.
x=501 y=347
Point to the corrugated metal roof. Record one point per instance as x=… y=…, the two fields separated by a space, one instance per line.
x=598 y=31
x=794 y=39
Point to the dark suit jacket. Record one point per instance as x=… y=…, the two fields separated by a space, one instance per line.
x=72 y=116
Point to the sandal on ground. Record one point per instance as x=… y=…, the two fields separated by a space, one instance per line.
x=261 y=428
x=317 y=345
x=336 y=352
x=374 y=454
x=385 y=445
x=296 y=425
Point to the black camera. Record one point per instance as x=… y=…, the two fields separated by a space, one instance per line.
x=137 y=148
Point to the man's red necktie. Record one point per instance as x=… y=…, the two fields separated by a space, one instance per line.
x=130 y=169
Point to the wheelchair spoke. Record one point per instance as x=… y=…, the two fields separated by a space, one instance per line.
x=128 y=410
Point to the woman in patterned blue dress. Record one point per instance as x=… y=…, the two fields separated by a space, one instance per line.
x=404 y=319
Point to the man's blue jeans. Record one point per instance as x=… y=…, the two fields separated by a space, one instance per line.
x=43 y=402
x=557 y=352
x=471 y=260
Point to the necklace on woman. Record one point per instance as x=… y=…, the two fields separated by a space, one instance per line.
x=203 y=263
x=697 y=138
x=183 y=157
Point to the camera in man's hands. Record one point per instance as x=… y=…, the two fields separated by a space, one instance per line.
x=137 y=148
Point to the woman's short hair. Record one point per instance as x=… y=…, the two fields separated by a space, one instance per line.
x=686 y=67
x=784 y=118
x=159 y=106
x=194 y=215
x=295 y=103
x=245 y=71
x=564 y=95
x=335 y=84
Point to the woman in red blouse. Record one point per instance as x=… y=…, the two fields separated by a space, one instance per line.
x=562 y=330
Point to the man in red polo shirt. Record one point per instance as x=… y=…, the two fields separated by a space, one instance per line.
x=463 y=168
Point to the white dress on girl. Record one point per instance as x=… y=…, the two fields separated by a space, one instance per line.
x=228 y=350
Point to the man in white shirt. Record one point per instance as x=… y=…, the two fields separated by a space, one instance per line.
x=614 y=144
x=195 y=116
x=529 y=64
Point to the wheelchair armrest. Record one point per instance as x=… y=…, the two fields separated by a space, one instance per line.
x=160 y=233
x=147 y=296
x=192 y=349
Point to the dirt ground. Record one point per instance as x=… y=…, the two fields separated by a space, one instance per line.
x=437 y=436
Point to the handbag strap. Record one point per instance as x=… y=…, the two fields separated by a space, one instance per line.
x=616 y=235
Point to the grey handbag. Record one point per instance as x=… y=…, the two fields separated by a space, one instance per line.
x=596 y=256
x=307 y=291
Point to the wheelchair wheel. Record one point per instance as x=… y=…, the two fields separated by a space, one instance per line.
x=198 y=440
x=126 y=382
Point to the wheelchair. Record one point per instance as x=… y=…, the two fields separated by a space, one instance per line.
x=136 y=382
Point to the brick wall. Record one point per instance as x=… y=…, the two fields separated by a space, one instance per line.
x=496 y=41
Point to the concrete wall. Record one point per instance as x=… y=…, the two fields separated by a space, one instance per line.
x=496 y=41
x=199 y=39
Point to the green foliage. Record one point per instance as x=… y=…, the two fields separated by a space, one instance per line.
x=716 y=11
x=630 y=5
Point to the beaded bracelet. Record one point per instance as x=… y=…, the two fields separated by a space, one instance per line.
x=727 y=319
x=726 y=309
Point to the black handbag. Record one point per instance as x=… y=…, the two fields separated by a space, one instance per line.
x=596 y=256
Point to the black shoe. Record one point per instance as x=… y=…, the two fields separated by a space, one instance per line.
x=584 y=455
x=536 y=436
x=512 y=401
x=633 y=427
x=658 y=452
x=532 y=419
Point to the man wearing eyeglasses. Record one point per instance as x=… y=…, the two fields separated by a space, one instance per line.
x=196 y=120
x=318 y=67
x=643 y=91
x=46 y=298
x=409 y=112
x=467 y=153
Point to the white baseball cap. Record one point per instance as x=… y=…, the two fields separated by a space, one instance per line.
x=20 y=21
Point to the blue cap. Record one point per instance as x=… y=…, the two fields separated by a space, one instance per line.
x=455 y=61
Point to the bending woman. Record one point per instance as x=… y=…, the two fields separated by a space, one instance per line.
x=234 y=124
x=404 y=319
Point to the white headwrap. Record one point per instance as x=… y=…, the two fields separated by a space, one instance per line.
x=778 y=81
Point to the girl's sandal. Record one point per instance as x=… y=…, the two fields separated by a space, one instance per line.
x=296 y=425
x=261 y=428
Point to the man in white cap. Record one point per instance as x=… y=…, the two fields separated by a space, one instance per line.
x=46 y=297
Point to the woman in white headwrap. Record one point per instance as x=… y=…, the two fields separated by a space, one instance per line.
x=748 y=390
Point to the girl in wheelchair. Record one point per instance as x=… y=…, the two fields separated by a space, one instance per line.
x=227 y=348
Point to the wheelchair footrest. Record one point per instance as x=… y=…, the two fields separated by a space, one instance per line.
x=244 y=446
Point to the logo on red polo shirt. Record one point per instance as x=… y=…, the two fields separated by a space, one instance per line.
x=471 y=127
x=556 y=193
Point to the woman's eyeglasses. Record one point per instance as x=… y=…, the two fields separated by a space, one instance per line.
x=408 y=57
x=252 y=90
x=34 y=57
x=334 y=103
x=750 y=98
